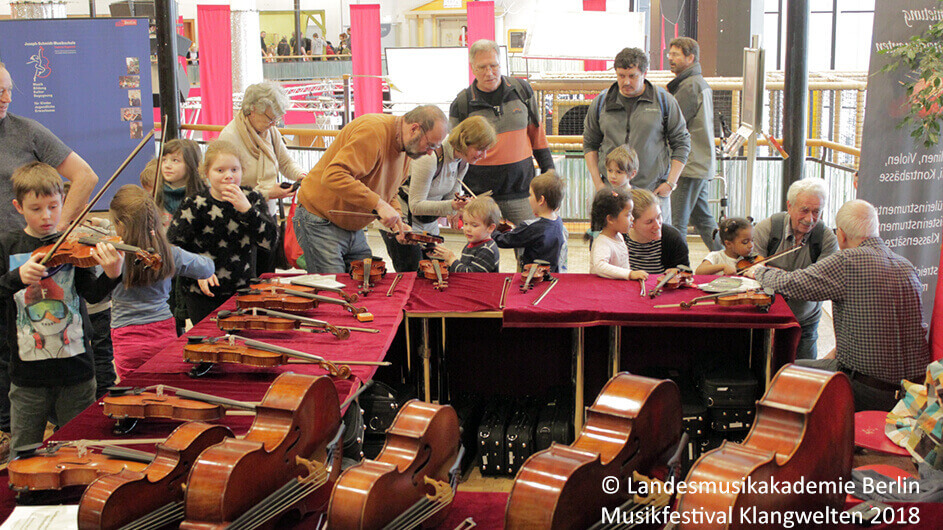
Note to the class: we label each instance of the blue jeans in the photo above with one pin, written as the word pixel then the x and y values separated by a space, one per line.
pixel 810 335
pixel 328 249
pixel 689 203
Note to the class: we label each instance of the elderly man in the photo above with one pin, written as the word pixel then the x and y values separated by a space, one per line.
pixel 23 140
pixel 879 330
pixel 804 202
pixel 511 107
pixel 647 118
pixel 361 172
pixel 689 201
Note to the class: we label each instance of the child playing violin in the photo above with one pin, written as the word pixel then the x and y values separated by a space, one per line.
pixel 47 342
pixel 481 254
pixel 611 215
pixel 736 234
pixel 141 320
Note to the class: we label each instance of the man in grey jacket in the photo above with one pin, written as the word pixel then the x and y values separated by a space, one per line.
pixel 696 101
pixel 647 118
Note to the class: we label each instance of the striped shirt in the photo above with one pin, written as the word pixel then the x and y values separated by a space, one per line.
pixel 645 256
pixel 879 328
pixel 482 256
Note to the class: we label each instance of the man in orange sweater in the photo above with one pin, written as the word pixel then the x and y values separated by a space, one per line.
pixel 361 172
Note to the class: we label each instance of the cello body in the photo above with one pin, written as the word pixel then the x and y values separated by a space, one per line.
pixel 804 429
pixel 113 501
pixel 298 417
pixel 632 422
pixel 423 442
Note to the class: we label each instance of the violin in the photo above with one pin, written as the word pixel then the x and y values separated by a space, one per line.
pixel 804 428
pixel 253 353
pixel 413 479
pixel 296 428
pixel 153 497
pixel 376 271
pixel 535 272
pixel 746 263
pixel 761 299
pixel 673 279
pixel 279 297
pixel 631 424
pixel 257 283
pixel 435 270
pixel 427 240
pixel 78 252
pixel 274 320
pixel 56 467
pixel 128 405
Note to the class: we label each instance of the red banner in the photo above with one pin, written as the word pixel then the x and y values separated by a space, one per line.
pixel 594 5
pixel 365 52
pixel 213 26
pixel 480 25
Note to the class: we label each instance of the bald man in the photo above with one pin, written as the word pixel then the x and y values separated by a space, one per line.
pixel 879 330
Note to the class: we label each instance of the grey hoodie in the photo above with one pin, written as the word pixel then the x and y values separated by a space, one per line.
pixel 649 132
pixel 696 100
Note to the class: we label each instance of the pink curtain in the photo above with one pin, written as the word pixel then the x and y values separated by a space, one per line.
pixel 365 51
pixel 594 5
pixel 215 65
pixel 480 25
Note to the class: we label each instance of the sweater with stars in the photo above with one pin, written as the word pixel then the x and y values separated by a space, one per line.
pixel 215 229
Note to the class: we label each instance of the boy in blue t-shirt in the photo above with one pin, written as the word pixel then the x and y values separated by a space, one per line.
pixel 545 237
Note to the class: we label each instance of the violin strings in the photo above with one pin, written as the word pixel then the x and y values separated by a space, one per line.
pixel 277 502
pixel 265 516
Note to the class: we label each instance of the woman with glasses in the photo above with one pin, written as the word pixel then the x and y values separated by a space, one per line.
pixel 261 146
pixel 434 180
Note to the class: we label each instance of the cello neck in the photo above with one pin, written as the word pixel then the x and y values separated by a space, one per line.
pixel 124 453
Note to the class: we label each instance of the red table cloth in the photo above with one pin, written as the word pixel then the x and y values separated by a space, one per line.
pixel 467 292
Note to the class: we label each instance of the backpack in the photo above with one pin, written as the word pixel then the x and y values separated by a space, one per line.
pixel 778 221
pixel 523 92
pixel 659 95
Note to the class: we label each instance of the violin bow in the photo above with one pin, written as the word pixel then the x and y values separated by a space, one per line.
pixel 88 207
pixel 552 283
pixel 664 279
pixel 774 256
pixel 300 354
pixel 504 292
pixel 160 158
pixel 690 303
pixel 305 320
pixel 393 285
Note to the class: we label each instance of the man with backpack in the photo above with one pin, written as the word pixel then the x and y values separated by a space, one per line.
pixel 633 111
pixel 510 105
pixel 799 224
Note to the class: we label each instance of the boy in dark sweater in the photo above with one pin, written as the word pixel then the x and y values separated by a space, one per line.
pixel 545 237
pixel 479 219
pixel 46 340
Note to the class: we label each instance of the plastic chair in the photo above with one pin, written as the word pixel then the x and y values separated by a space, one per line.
pixel 869 433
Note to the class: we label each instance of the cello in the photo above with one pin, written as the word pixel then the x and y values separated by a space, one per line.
pixel 804 430
pixel 632 423
pixel 413 479
pixel 151 498
pixel 296 426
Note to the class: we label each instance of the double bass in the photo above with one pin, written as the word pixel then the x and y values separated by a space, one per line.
pixel 804 430
pixel 151 498
pixel 634 421
pixel 288 450
pixel 413 479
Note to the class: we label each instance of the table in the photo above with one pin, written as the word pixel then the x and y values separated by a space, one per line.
pixel 580 301
pixel 246 383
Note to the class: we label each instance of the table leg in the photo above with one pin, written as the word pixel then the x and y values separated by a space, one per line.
pixel 444 372
pixel 425 351
pixel 578 360
pixel 409 348
pixel 770 339
pixel 615 349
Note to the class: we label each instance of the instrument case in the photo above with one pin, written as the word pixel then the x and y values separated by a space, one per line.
pixel 694 417
pixel 555 421
pixel 519 436
pixel 729 390
pixel 723 420
pixel 491 437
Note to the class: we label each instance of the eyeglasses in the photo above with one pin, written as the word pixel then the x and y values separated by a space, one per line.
pixel 56 308
pixel 272 120
pixel 431 145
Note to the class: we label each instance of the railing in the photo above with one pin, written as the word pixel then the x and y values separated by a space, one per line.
pixel 767 176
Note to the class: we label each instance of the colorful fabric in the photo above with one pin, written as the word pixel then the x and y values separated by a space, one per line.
pixel 916 422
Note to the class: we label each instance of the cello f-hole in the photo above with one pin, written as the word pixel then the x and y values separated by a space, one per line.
pixel 425 457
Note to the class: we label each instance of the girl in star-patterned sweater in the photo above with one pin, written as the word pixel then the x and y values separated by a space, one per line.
pixel 224 223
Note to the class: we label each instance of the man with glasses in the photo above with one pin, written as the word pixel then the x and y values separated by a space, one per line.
pixel 511 107
pixel 361 172
pixel 800 224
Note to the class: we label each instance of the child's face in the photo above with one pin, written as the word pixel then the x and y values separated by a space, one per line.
pixel 42 213
pixel 475 229
pixel 742 244
pixel 224 170
pixel 617 177
pixel 623 221
pixel 174 169
pixel 536 203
